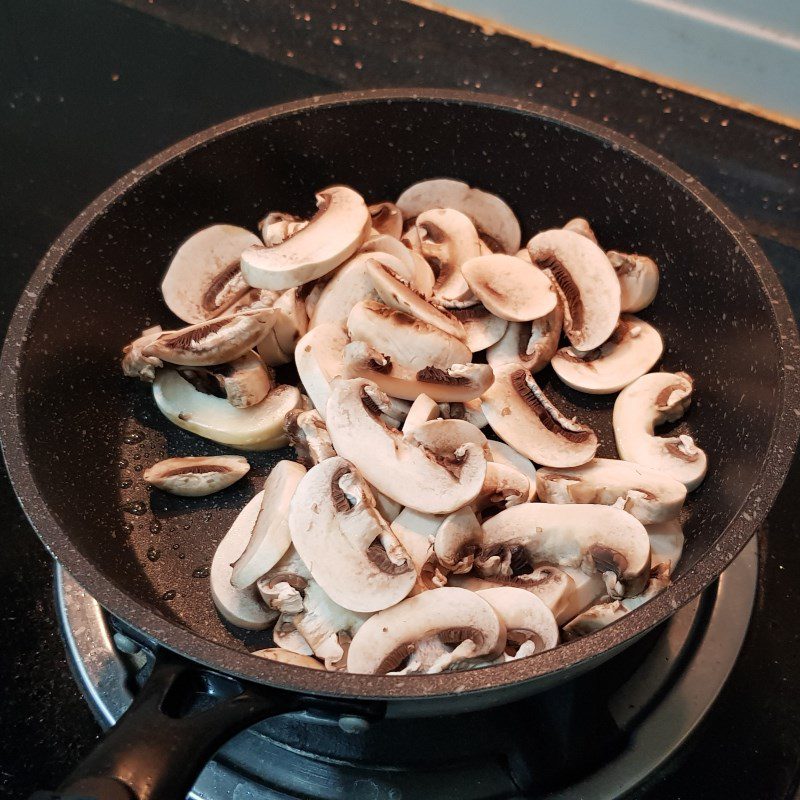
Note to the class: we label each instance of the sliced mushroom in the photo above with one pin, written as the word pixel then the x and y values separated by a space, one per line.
pixel 471 411
pixel 587 283
pixel 309 437
pixel 447 435
pixel 137 365
pixel 666 543
pixel 434 482
pixel 282 587
pixel 527 620
pixel 600 539
pixel 259 427
pixel 203 279
pixel 585 590
pixel 581 226
pixel 280 230
pixel 416 531
pixel 491 215
pixel 410 266
pixel 287 657
pixel 240 607
pixel 504 454
pixel 216 342
pixel 340 225
pixel 447 240
pixel 520 414
pixel 244 382
pixel 503 487
pixel 196 476
pixel 270 537
pixel 510 288
pixel 529 344
pixel 423 409
pixel 386 219
pixel 457 383
pixel 275 217
pixel 632 351
pixel 457 539
pixel 454 616
pixel 483 329
pixel 638 279
pixel 291 322
pixel 399 294
pixel 648 494
pixel 318 359
pixel 649 401
pixel 406 340
pixel 288 638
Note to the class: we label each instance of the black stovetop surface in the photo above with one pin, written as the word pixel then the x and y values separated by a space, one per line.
pixel 90 89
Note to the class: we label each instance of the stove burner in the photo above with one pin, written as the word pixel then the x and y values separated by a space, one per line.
pixel 598 736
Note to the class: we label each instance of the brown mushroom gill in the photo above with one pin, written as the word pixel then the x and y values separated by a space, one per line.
pixel 567 287
pixel 674 448
pixel 224 290
pixel 436 375
pixel 397 658
pixel 606 559
pixel 545 417
pixel 198 470
pixel 204 380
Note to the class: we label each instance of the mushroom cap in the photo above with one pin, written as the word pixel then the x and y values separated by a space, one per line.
pixel 259 427
pixel 510 288
pixel 490 214
pixel 633 350
pixel 521 415
pixel 596 538
pixel 287 657
pixel 638 279
pixel 651 400
pixel 386 219
pixel 587 282
pixel 526 616
pixel 436 483
pixel 400 295
pixel 482 328
pixel 531 344
pixel 318 359
pixel 505 454
pixel 196 476
pixel 408 341
pixel 270 538
pixel 649 494
pixel 340 225
pixel 581 226
pixel 241 607
pixel 203 279
pixel 455 616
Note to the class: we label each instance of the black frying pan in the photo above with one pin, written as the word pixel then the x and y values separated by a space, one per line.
pixel 74 431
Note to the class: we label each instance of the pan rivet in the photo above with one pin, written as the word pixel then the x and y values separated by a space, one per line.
pixel 352 724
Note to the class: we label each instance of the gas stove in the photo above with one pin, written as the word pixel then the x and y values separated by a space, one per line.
pixel 597 737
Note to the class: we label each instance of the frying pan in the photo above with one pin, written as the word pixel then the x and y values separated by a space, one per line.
pixel 75 433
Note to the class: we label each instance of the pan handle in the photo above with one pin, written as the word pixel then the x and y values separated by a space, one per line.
pixel 180 717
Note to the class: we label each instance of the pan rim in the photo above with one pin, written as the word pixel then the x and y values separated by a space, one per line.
pixel 173 636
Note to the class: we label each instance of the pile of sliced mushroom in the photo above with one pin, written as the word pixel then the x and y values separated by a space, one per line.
pixel 402 540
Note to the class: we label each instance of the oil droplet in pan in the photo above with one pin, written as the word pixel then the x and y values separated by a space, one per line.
pixel 201 572
pixel 169 595
pixel 153 554
pixel 135 507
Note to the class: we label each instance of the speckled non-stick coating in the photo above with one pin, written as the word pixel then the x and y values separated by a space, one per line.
pixel 70 420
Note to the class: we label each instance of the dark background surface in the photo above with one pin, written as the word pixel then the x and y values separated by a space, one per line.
pixel 89 89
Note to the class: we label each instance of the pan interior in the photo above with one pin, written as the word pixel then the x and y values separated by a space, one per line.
pixel 89 432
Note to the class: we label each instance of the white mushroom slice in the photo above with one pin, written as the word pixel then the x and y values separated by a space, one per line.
pixel 410 238
pixel 241 607
pixel 270 537
pixel 447 435
pixel 529 344
pixel 652 400
pixel 406 340
pixel 387 219
pixel 282 586
pixel 581 226
pixel 399 294
pixel 504 454
pixel 318 359
pixel 340 225
pixel 348 548
pixel 457 383
pixel 290 323
pixel 348 286
pixel 526 617
pixel 244 382
pixel 382 245
pixel 510 288
pixel 632 351
pixel 666 543
pixel 216 342
pixel 280 230
pixel 455 616
pixel 638 279
pixel 137 365
pixel 520 414
pixel 457 540
pixel 483 329
pixel 423 409
pixel 503 487
pixel 471 411
pixel 416 531
pixel 196 476
pixel 587 282
pixel 434 482
pixel 648 494
pixel 596 538
pixel 203 279
pixel 490 214
pixel 288 638
pixel 598 616
pixel 287 657
pixel 447 240
pixel 586 590
pixel 275 217
pixel 258 427
pixel 309 437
